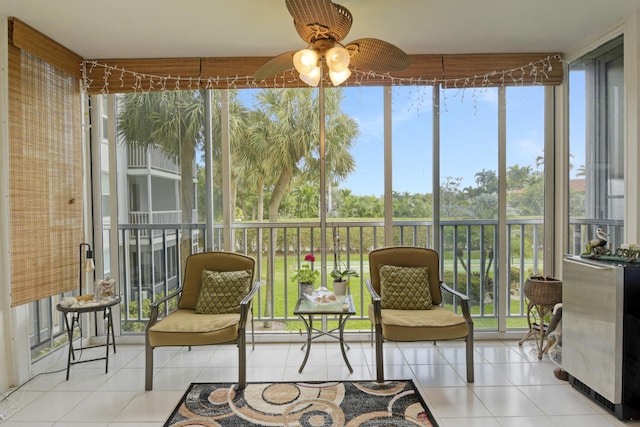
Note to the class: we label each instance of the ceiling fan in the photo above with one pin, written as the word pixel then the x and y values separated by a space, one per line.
pixel 323 25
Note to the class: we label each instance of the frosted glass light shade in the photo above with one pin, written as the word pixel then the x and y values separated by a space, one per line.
pixel 305 60
pixel 338 59
pixel 338 78
pixel 312 78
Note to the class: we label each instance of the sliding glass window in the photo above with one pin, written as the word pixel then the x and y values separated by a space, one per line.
pixel 596 184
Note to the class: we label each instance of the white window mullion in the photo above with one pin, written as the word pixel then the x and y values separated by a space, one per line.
pixel 208 164
pixel 555 212
pixel 503 237
pixel 435 103
pixel 388 169
pixel 227 209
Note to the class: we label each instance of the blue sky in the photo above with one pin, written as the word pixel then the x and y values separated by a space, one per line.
pixel 468 132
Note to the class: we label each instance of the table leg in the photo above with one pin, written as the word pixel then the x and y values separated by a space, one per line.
pixel 528 334
pixel 542 312
pixel 309 326
pixel 70 338
pixel 342 322
pixel 107 316
pixel 76 321
pixel 113 334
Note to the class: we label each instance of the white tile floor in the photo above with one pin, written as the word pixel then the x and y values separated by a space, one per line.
pixel 512 387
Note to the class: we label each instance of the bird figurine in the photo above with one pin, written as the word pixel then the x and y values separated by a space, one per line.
pixel 599 242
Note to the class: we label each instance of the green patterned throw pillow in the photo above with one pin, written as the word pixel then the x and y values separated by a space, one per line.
pixel 405 288
pixel 222 291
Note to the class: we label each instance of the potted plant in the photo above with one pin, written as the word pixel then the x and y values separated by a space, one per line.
pixel 341 280
pixel 306 276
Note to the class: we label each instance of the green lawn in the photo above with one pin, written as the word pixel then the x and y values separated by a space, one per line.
pixel 284 309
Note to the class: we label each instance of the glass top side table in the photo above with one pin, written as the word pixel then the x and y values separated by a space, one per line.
pixel 306 309
pixel 104 306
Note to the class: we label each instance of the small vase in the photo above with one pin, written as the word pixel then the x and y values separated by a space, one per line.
pixel 305 289
pixel 339 288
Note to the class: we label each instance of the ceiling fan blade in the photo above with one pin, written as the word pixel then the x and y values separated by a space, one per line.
pixel 377 55
pixel 319 19
pixel 274 66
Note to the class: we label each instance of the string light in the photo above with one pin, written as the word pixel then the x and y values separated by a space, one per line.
pixel 537 72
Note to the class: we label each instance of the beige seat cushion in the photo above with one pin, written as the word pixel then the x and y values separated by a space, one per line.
pixel 421 325
pixel 186 327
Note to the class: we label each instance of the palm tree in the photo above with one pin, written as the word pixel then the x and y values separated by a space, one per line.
pixel 240 179
pixel 285 144
pixel 243 172
pixel 255 156
pixel 172 120
pixel 271 145
pixel 518 176
pixel 290 131
pixel 487 181
pixel 290 128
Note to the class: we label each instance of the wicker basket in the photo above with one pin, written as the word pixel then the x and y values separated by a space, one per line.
pixel 543 290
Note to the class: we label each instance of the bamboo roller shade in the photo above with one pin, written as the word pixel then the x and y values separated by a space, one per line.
pixel 469 66
pixel 45 178
pixel 159 74
pixel 31 40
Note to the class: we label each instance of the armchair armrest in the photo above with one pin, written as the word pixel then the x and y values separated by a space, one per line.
pixel 153 317
pixel 452 291
pixel 245 304
pixel 375 300
pixel 464 302
pixel 374 295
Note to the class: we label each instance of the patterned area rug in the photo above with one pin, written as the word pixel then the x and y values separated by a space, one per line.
pixel 394 403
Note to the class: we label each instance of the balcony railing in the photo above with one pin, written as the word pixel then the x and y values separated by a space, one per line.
pixel 157 217
pixel 151 157
pixel 467 247
pixel 151 266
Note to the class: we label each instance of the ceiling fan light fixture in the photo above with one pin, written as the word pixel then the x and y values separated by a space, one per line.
pixel 312 78
pixel 337 78
pixel 305 60
pixel 323 25
pixel 338 59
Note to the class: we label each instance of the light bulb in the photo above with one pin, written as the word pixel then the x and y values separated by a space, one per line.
pixel 305 60
pixel 338 58
pixel 312 78
pixel 89 266
pixel 338 78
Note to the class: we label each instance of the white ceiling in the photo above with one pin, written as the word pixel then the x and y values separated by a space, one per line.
pixel 204 28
